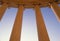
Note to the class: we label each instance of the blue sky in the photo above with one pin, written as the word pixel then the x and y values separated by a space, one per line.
pixel 29 27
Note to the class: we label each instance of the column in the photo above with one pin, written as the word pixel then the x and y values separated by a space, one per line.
pixel 2 10
pixel 16 32
pixel 42 32
pixel 56 9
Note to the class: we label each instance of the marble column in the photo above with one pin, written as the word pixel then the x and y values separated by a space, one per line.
pixel 42 32
pixel 56 9
pixel 2 10
pixel 16 32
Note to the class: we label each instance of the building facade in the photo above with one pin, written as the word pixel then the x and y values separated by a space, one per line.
pixel 36 5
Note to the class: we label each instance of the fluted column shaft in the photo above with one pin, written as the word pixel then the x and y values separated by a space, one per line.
pixel 42 32
pixel 2 10
pixel 16 32
pixel 56 9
